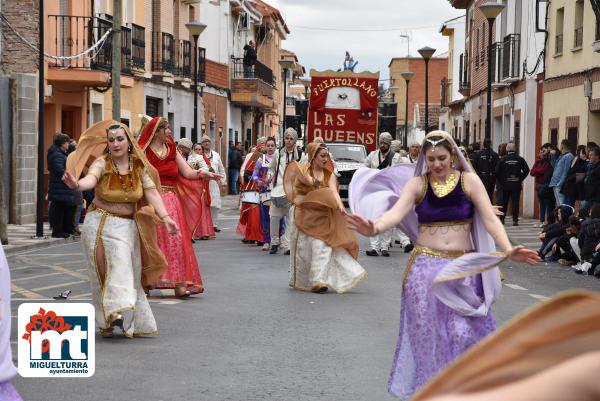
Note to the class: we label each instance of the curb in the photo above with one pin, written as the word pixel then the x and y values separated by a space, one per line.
pixel 10 250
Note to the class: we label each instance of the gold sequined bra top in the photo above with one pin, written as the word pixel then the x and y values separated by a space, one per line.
pixel 121 188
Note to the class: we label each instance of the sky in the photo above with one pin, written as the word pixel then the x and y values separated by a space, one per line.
pixel 322 30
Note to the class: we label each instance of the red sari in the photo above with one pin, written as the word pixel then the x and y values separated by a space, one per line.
pixel 205 227
pixel 182 263
pixel 249 225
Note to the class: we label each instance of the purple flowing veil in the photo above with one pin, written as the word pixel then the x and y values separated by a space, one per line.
pixel 7 368
pixel 373 192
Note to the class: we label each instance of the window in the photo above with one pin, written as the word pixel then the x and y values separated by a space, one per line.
pixel 560 19
pixel 171 119
pixel 517 135
pixel 503 21
pixel 153 106
pixel 181 132
pixel 554 136
pixel 578 35
pixel 518 13
pixel 572 136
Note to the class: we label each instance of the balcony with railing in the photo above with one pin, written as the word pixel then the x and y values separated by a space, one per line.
pixel 511 57
pixel 252 86
pixel 163 53
pixel 558 44
pixel 464 85
pixel 184 60
pixel 444 101
pixel 578 38
pixel 138 47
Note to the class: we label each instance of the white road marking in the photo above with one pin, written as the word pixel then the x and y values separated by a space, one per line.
pixel 516 287
pixel 537 296
pixel 165 301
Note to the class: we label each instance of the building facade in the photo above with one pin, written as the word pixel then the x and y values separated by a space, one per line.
pixel 572 76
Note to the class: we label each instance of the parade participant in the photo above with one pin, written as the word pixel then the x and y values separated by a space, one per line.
pixel 119 231
pixel 380 159
pixel 178 181
pixel 280 206
pixel 215 165
pixel 184 146
pixel 323 249
pixel 540 355
pixel 205 228
pixel 262 179
pixel 413 152
pixel 7 368
pixel 249 224
pixel 451 279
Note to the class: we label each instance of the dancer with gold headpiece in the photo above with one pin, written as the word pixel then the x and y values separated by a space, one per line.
pixel 119 234
pixel 452 277
pixel 249 225
pixel 323 249
pixel 178 181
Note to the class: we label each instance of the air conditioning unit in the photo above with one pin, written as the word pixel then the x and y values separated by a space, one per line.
pixel 244 22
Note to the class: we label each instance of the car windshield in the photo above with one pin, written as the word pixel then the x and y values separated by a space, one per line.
pixel 347 152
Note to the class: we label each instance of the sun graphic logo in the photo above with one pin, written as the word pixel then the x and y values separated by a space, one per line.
pixel 56 340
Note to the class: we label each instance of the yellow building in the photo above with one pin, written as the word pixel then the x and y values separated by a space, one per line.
pixel 572 78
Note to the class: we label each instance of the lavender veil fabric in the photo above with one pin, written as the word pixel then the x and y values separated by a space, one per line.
pixel 7 368
pixel 373 192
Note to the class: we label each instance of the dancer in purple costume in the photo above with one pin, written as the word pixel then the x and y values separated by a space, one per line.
pixel 452 278
pixel 7 368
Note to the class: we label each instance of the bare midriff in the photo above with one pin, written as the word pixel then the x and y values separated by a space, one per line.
pixel 123 209
pixel 450 237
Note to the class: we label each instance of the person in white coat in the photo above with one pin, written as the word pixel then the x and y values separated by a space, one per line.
pixel 215 165
pixel 401 158
pixel 280 206
pixel 380 159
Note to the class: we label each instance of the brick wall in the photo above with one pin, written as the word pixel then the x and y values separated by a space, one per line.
pixel 23 16
pixel 438 69
pixel 478 68
pixel 217 74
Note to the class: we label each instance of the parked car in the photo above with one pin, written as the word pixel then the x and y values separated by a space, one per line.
pixel 348 157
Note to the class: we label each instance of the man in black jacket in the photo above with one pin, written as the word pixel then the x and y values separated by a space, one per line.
pixel 249 59
pixel 235 164
pixel 484 163
pixel 591 191
pixel 62 198
pixel 511 171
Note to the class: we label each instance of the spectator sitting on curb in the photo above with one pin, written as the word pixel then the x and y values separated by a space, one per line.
pixel 566 249
pixel 552 232
pixel 589 241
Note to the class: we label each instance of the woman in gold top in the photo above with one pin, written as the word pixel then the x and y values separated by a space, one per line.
pixel 118 234
pixel 323 249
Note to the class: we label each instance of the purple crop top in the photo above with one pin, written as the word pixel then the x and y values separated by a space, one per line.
pixel 455 206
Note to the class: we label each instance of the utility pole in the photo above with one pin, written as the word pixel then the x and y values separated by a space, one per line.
pixel 116 61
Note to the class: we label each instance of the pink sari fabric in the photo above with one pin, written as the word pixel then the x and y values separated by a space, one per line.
pixel 183 266
pixel 205 227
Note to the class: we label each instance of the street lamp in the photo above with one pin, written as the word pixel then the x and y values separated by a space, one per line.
pixel 426 53
pixel 491 11
pixel 195 28
pixel 285 66
pixel 407 75
pixel 306 83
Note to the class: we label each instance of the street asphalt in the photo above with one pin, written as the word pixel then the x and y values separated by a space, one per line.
pixel 249 336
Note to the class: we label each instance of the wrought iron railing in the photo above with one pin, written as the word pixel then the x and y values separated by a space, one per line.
pixel 201 64
pixel 258 71
pixel 71 35
pixel 511 56
pixel 497 48
pixel 163 52
pixel 463 73
pixel 138 47
pixel 558 48
pixel 184 59
pixel 578 37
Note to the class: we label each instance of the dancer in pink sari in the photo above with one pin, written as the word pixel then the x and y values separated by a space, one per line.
pixel 178 181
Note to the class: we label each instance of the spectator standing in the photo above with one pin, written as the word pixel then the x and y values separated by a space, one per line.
pixel 573 186
pixel 591 182
pixel 235 164
pixel 561 170
pixel 501 154
pixel 63 200
pixel 542 171
pixel 249 59
pixel 484 163
pixel 511 171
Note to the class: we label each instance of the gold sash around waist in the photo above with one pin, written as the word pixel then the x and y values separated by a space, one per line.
pixel 438 253
pixel 168 188
pixel 104 212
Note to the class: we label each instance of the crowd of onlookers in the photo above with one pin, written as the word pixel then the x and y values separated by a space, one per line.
pixel 567 184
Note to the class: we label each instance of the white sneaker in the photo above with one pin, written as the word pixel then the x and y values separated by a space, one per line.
pixel 585 266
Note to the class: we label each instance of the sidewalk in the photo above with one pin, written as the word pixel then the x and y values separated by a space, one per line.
pixel 22 237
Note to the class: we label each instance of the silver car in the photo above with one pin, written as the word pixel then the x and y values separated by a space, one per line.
pixel 348 157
